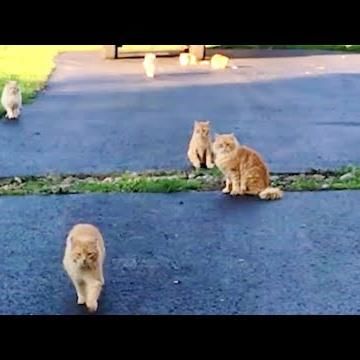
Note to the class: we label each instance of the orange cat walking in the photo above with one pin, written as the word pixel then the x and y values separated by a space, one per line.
pixel 199 152
pixel 245 171
pixel 83 262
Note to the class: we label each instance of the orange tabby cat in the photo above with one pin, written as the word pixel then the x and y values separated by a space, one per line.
pixel 83 262
pixel 244 169
pixel 199 152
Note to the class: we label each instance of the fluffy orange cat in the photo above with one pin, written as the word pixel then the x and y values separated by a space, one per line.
pixel 83 261
pixel 245 171
pixel 199 152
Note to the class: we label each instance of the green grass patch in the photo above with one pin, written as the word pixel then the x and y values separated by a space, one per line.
pixel 306 184
pixel 345 178
pixel 211 172
pixel 123 183
pixel 136 185
pixel 31 65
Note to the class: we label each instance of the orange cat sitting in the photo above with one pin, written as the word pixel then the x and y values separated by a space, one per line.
pixel 199 152
pixel 245 171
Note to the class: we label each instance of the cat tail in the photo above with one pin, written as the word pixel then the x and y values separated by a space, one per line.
pixel 271 193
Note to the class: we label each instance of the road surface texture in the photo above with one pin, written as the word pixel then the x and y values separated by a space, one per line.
pixel 201 253
pixel 299 110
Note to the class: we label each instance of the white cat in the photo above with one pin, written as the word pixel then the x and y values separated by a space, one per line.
pixel 186 59
pixel 149 65
pixel 11 99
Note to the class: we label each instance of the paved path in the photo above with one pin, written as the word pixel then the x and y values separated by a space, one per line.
pixel 193 253
pixel 99 116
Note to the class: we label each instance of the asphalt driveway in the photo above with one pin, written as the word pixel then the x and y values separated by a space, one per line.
pixel 192 253
pixel 99 116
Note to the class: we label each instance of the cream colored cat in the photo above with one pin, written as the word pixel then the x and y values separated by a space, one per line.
pixel 199 151
pixel 149 65
pixel 11 99
pixel 83 261
pixel 245 171
pixel 219 62
pixel 186 59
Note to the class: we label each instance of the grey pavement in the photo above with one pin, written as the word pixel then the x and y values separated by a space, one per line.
pixel 191 253
pixel 299 110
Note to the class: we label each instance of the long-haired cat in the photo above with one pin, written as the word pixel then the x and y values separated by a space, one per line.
pixel 199 151
pixel 83 261
pixel 149 65
pixel 186 59
pixel 245 171
pixel 219 62
pixel 11 99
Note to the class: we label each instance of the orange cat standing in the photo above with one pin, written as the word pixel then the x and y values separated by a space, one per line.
pixel 245 171
pixel 199 151
pixel 83 261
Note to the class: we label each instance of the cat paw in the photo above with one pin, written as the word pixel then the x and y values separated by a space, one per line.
pixel 236 193
pixel 81 300
pixel 210 166
pixel 92 306
pixel 226 191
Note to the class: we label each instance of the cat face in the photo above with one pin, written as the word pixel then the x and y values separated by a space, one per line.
pixel 202 128
pixel 225 143
pixel 84 255
pixel 12 87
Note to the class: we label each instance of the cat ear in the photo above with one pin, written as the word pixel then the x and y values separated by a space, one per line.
pixel 207 122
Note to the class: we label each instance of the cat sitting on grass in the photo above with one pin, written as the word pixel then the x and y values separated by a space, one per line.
pixel 245 171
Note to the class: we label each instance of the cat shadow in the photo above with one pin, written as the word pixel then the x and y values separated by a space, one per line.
pixel 227 203
pixel 70 306
pixel 9 122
